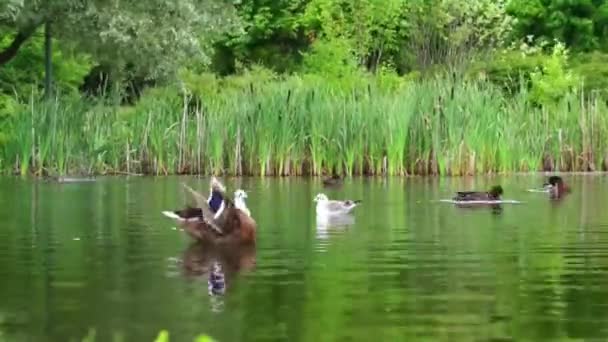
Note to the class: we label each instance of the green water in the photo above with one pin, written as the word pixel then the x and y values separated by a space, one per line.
pixel 75 257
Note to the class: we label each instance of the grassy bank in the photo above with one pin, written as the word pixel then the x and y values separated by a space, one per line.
pixel 309 125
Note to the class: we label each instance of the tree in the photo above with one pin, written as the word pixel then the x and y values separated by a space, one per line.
pixel 271 36
pixel 371 30
pixel 581 24
pixel 450 31
pixel 154 36
pixel 410 33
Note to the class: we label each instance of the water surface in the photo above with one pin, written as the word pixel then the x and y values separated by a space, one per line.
pixel 77 257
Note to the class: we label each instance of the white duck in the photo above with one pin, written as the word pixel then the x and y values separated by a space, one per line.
pixel 327 207
pixel 239 201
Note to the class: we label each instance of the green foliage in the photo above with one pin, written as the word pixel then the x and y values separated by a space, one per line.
pixel 154 36
pixel 548 76
pixel 372 29
pixel 592 68
pixel 9 10
pixel 398 33
pixel 263 118
pixel 581 24
pixel 24 74
pixel 507 69
pixel 553 80
pixel 163 336
pixel 265 124
pixel 271 36
pixel 452 31
pixel 332 57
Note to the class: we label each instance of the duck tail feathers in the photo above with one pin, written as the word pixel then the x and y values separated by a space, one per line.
pixel 173 215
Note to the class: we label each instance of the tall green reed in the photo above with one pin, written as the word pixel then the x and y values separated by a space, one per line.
pixel 308 125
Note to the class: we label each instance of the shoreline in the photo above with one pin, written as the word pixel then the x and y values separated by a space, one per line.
pixel 67 178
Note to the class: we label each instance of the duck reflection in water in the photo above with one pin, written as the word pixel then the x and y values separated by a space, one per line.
pixel 332 224
pixel 495 208
pixel 216 282
pixel 219 264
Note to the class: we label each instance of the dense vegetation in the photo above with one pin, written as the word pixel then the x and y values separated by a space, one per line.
pixel 289 87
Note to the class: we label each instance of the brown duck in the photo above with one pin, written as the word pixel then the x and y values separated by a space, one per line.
pixel 215 220
pixel 557 187
pixel 333 181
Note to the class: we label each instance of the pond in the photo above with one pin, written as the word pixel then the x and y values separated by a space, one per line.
pixel 100 256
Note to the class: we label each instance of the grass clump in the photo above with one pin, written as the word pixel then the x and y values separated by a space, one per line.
pixel 308 125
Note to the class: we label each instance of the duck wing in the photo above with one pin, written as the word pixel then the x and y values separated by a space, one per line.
pixel 470 195
pixel 200 199
pixel 201 203
pixel 340 206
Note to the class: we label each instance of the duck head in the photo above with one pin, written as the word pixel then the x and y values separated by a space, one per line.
pixel 553 181
pixel 216 185
pixel 240 194
pixel 239 201
pixel 321 198
pixel 496 191
pixel 556 186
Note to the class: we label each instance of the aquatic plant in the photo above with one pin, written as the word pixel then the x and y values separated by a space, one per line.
pixel 301 125
pixel 163 336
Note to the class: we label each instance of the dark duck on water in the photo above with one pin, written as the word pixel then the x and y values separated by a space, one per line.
pixel 334 181
pixel 216 219
pixel 556 187
pixel 494 194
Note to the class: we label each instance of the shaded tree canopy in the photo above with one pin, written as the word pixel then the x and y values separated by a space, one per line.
pixel 154 35
pixel 581 24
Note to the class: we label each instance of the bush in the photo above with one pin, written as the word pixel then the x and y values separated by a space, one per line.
pixel 25 72
pixel 553 80
pixel 593 71
pixel 508 68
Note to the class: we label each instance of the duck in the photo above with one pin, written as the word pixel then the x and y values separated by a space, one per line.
pixel 239 201
pixel 556 187
pixel 327 207
pixel 215 219
pixel 494 194
pixel 62 179
pixel 334 180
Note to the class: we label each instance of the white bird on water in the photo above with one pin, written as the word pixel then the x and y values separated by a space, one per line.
pixel 239 201
pixel 327 207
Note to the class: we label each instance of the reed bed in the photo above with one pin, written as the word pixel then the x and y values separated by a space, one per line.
pixel 309 126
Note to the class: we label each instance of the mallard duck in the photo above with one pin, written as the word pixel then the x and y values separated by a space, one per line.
pixel 492 195
pixel 556 187
pixel 227 224
pixel 239 201
pixel 327 207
